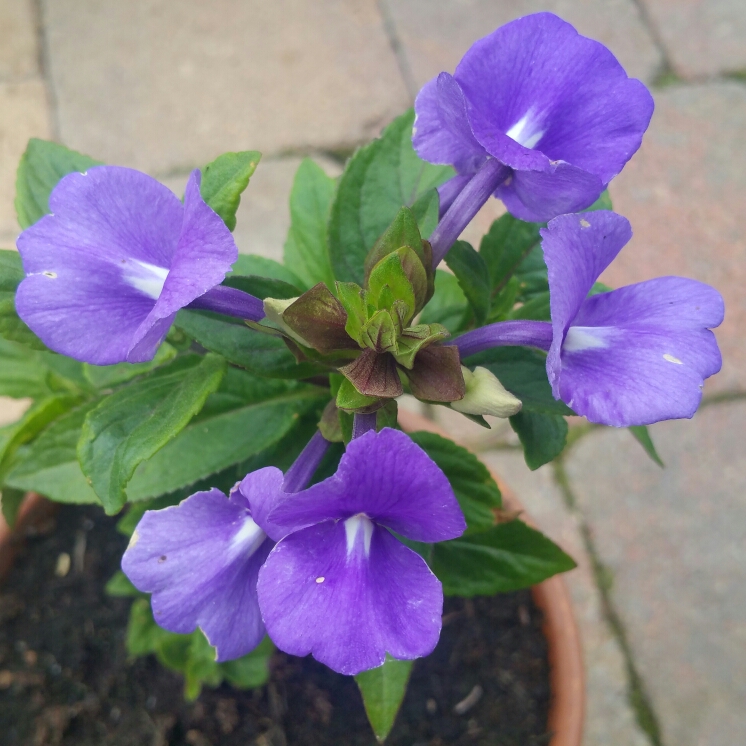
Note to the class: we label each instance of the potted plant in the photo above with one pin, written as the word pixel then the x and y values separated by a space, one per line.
pixel 244 411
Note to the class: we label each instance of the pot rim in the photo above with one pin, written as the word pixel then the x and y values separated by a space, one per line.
pixel 566 668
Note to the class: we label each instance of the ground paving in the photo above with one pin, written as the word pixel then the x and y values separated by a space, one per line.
pixel 165 86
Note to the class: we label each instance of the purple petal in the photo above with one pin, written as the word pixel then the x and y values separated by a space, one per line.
pixel 577 249
pixel 204 254
pixel 200 560
pixel 88 262
pixel 640 354
pixel 388 478
pixel 550 89
pixel 348 593
pixel 441 132
pixel 262 491
pixel 538 196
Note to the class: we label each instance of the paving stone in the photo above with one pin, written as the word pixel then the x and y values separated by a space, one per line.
pixel 263 216
pixel 701 38
pixel 19 52
pixel 606 679
pixel 164 85
pixel 675 541
pixel 436 33
pixel 23 114
pixel 684 192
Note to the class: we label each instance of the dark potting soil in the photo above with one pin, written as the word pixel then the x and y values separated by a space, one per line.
pixel 66 679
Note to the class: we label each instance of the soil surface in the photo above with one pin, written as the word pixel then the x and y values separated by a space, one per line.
pixel 65 678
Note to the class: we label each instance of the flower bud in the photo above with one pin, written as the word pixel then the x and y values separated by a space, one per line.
pixel 485 395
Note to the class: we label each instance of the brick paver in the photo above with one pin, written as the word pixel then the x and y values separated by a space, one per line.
pixel 436 33
pixel 675 541
pixel 170 85
pixel 702 37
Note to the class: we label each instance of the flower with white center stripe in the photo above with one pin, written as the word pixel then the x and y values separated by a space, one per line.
pixel 339 584
pixel 117 258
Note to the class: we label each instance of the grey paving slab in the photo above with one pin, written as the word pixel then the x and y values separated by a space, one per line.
pixel 702 37
pixel 19 51
pixel 608 709
pixel 685 192
pixel 675 541
pixel 436 33
pixel 169 85
pixel 23 114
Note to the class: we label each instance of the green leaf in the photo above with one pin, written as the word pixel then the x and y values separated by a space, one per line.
pixel 106 376
pixel 42 166
pixel 143 634
pixel 251 670
pixel 379 179
pixel 504 558
pixel 642 436
pixel 261 354
pixel 523 372
pixel 135 422
pixel 263 287
pixel 473 277
pixel 34 420
pixel 11 326
pixel 602 203
pixel 350 399
pixel 224 180
pixel 448 306
pixel 504 247
pixel 233 426
pixel 306 248
pixel 532 275
pixel 543 436
pixel 261 266
pixel 10 503
pixel 536 309
pixel 475 489
pixel 119 585
pixel 50 464
pixel 383 690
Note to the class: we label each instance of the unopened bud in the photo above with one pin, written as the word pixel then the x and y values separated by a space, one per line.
pixel 485 395
pixel 273 310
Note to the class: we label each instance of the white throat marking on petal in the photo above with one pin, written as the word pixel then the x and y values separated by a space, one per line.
pixel 525 132
pixel 247 539
pixel 580 338
pixel 147 278
pixel 353 526
pixel 672 359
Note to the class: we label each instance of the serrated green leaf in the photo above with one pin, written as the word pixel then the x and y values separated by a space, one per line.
pixel 261 354
pixel 536 309
pixel 602 203
pixel 383 690
pixel 543 436
pixel 224 180
pixel 642 436
pixel 261 266
pixel 475 489
pixel 106 376
pixel 532 275
pixel 523 372
pixel 306 247
pixel 230 429
pixel 143 634
pixel 505 246
pixel 506 557
pixel 251 670
pixel 448 306
pixel 473 277
pixel 263 287
pixel 134 423
pixel 11 326
pixel 50 465
pixel 379 179
pixel 42 165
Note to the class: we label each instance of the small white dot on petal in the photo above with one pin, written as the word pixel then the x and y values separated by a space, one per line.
pixel 321 579
pixel 672 359
pixel 585 224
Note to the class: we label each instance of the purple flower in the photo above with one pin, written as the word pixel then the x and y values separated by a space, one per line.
pixel 116 259
pixel 339 584
pixel 200 560
pixel 555 110
pixel 631 356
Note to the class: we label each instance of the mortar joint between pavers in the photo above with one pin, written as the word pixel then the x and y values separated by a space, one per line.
pixel 392 34
pixel 44 62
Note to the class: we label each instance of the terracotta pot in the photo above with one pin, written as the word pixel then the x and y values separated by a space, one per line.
pixel 567 673
pixel 567 676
